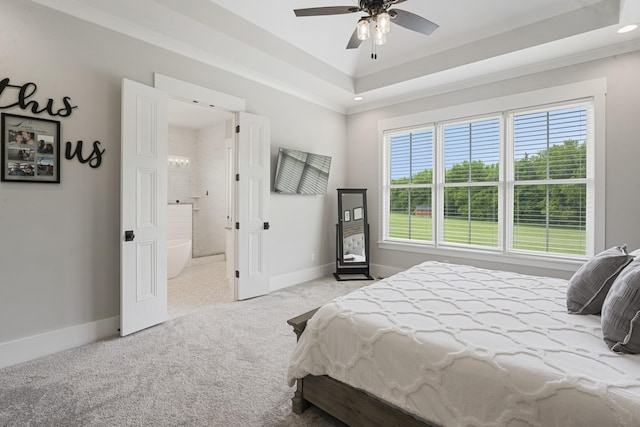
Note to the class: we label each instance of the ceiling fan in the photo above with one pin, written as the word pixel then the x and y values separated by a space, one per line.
pixel 378 12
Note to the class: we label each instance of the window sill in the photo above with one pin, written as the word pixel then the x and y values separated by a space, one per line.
pixel 549 262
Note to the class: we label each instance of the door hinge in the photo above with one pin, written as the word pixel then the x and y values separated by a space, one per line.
pixel 237 274
pixel 237 226
pixel 237 177
pixel 238 129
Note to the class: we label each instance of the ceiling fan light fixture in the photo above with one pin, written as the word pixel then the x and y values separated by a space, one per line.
pixel 383 21
pixel 378 12
pixel 363 29
pixel 379 38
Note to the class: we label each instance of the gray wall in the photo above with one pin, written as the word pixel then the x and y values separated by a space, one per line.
pixel 622 150
pixel 59 256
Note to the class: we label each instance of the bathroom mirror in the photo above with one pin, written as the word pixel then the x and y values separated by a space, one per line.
pixel 352 235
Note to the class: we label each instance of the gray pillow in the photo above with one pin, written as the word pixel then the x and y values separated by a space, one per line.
pixel 589 285
pixel 621 311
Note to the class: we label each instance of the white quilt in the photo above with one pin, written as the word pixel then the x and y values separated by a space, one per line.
pixel 462 346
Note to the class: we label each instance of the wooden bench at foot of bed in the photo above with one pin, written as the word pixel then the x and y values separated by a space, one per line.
pixel 350 405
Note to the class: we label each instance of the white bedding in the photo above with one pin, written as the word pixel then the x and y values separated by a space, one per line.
pixel 462 346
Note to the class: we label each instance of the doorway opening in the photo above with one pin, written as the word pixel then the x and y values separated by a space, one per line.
pixel 144 199
pixel 200 206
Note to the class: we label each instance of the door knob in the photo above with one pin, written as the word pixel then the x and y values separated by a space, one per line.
pixel 129 236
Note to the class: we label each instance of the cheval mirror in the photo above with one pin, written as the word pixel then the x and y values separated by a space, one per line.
pixel 352 235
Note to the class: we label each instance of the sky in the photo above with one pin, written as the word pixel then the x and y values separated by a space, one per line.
pixel 533 132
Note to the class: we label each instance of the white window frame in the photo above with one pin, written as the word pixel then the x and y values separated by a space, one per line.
pixel 593 89
pixel 511 182
pixel 387 189
pixel 441 184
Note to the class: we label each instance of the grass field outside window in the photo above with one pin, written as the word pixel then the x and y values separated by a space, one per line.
pixel 560 240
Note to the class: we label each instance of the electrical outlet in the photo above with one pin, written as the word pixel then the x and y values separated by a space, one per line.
pixel 313 256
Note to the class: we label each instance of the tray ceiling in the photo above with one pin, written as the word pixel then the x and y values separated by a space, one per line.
pixel 477 42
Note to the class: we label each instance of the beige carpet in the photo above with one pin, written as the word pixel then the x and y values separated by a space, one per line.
pixel 199 285
pixel 221 365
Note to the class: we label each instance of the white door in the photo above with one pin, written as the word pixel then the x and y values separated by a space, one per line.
pixel 143 222
pixel 252 201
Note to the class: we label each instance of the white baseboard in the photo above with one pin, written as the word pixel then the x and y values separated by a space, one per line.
pixel 297 277
pixel 208 259
pixel 25 349
pixel 29 348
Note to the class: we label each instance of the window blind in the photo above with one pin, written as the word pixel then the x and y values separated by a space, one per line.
pixel 449 185
pixel 550 191
pixel 471 161
pixel 409 190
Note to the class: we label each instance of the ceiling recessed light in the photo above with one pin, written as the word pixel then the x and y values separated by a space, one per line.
pixel 358 98
pixel 627 28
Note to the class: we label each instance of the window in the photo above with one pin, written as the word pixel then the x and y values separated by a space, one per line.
pixel 410 186
pixel 470 196
pixel 515 182
pixel 550 179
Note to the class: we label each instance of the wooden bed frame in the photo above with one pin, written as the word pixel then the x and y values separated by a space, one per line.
pixel 348 404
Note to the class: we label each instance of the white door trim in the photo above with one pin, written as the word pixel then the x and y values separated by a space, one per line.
pixel 202 95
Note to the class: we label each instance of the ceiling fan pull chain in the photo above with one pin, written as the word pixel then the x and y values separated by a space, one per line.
pixel 374 51
pixel 372 48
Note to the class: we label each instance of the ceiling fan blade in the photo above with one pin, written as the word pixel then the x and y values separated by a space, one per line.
pixel 354 41
pixel 412 21
pixel 319 11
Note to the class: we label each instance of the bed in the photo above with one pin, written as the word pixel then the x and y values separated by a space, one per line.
pixel 454 345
